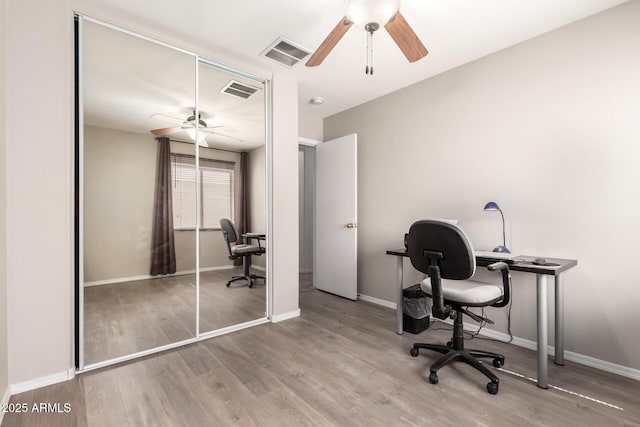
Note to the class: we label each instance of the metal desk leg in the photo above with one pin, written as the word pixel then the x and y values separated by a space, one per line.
pixel 399 295
pixel 559 354
pixel 541 284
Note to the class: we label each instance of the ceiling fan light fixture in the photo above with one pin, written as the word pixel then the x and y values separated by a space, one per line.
pixel 191 131
pixel 365 12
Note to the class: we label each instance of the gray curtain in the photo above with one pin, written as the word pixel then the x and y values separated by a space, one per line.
pixel 163 249
pixel 242 211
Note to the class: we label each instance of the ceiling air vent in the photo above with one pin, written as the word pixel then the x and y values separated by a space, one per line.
pixel 238 89
pixel 285 52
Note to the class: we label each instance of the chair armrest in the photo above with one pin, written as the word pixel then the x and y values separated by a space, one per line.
pixel 506 281
pixel 246 237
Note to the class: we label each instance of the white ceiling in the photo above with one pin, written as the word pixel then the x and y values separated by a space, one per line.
pixel 454 31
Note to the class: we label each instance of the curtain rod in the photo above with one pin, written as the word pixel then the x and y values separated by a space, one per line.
pixel 218 149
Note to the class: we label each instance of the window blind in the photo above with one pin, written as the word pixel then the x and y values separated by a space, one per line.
pixel 216 186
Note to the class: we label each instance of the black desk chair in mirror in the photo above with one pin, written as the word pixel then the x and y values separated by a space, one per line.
pixel 242 250
pixel 443 252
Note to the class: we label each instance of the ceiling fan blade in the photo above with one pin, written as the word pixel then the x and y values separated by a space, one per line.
pixel 221 134
pixel 165 131
pixel 329 43
pixel 405 38
pixel 167 118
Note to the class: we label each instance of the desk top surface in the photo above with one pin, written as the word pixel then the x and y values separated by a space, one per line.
pixel 524 263
pixel 255 235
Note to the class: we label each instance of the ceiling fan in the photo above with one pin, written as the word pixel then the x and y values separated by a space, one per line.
pixel 371 15
pixel 189 126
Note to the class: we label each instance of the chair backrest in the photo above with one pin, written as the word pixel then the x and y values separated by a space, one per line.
pixel 229 233
pixel 456 260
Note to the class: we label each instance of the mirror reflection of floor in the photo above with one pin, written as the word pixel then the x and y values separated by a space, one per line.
pixel 125 318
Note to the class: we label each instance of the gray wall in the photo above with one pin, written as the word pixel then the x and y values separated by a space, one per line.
pixel 117 223
pixel 549 130
pixel 310 126
pixel 4 380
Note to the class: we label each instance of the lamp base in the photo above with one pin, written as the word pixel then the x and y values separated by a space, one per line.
pixel 502 249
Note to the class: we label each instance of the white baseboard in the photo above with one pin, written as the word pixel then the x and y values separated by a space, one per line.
pixel 258 267
pixel 3 402
pixel 42 381
pixel 147 277
pixel 285 316
pixel 582 359
pixel 377 301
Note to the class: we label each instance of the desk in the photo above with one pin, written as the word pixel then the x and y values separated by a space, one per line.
pixel 524 264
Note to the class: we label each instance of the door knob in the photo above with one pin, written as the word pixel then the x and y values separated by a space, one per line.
pixel 351 225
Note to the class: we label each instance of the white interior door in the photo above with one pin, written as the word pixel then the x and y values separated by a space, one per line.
pixel 336 235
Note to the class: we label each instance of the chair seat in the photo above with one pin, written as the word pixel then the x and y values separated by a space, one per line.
pixel 466 292
pixel 243 249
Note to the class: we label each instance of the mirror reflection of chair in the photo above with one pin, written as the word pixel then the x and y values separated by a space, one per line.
pixel 443 252
pixel 242 250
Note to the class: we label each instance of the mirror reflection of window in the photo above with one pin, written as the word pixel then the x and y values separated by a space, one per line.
pixel 216 188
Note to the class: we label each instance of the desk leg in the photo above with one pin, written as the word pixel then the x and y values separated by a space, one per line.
pixel 541 284
pixel 559 354
pixel 399 295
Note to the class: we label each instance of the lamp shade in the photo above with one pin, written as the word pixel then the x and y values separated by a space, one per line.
pixel 363 12
pixel 491 206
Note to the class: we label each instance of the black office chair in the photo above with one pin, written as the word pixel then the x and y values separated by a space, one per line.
pixel 242 250
pixel 442 251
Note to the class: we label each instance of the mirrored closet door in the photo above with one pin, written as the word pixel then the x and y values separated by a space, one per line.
pixel 170 144
pixel 233 179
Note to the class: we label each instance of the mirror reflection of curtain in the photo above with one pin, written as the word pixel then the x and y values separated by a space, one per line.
pixel 163 250
pixel 242 213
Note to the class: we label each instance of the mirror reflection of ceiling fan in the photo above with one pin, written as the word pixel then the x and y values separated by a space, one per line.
pixel 371 15
pixel 188 125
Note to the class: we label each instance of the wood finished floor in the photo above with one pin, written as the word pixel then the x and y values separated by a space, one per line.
pixel 125 318
pixel 339 364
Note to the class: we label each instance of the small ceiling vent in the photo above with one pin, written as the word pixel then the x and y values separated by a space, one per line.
pixel 285 52
pixel 238 89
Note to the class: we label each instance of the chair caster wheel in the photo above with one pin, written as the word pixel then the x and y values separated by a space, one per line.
pixel 449 343
pixel 250 284
pixel 228 284
pixel 433 378
pixel 414 351
pixel 492 388
pixel 498 363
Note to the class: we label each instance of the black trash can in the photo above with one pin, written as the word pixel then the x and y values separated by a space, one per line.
pixel 415 315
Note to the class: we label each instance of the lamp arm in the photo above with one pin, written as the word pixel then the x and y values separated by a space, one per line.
pixel 504 236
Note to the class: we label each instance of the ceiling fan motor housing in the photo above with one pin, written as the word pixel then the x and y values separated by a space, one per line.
pixel 191 119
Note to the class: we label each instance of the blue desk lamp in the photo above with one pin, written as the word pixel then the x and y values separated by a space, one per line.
pixel 493 206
